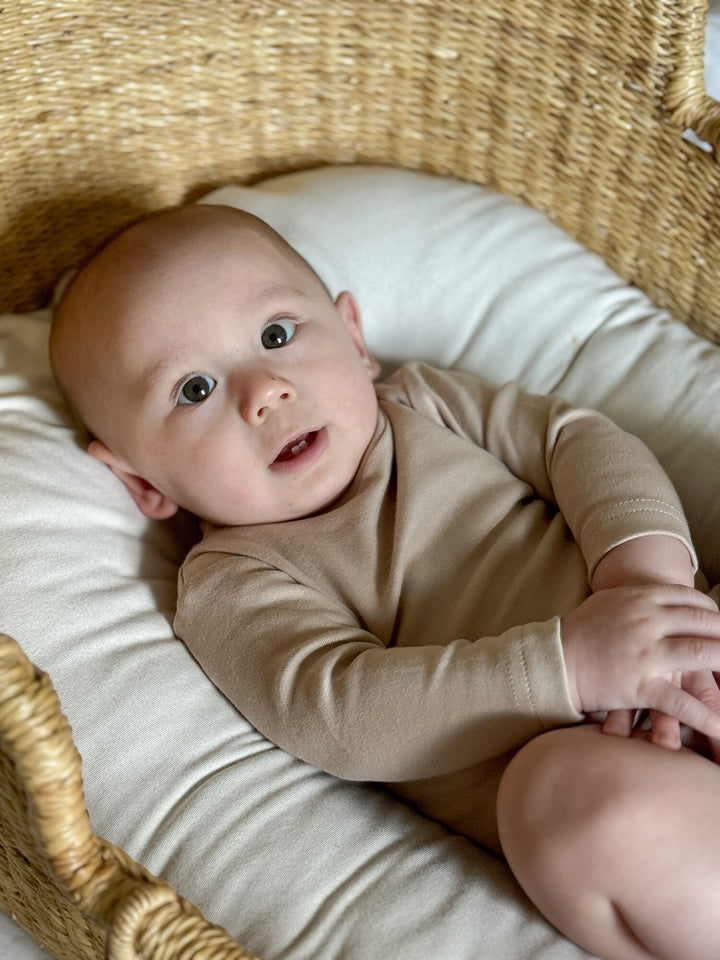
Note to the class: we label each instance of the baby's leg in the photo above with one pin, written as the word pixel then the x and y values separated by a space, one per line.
pixel 617 841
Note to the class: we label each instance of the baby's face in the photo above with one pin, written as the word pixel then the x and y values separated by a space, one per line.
pixel 230 382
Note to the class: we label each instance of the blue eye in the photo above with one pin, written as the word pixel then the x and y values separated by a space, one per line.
pixel 196 389
pixel 277 333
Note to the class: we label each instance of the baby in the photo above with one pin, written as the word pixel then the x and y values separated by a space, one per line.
pixel 427 582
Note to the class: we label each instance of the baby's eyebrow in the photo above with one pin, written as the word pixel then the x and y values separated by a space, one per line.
pixel 273 294
pixel 156 373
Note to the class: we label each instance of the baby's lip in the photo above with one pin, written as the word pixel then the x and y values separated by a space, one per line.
pixel 301 448
pixel 295 446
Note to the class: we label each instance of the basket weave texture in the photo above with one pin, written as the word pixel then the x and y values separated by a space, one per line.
pixel 111 108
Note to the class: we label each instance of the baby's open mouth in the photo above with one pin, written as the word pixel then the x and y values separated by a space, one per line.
pixel 296 446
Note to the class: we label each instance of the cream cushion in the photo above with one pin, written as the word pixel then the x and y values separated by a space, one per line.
pixel 293 862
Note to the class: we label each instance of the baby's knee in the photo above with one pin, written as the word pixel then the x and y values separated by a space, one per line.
pixel 564 800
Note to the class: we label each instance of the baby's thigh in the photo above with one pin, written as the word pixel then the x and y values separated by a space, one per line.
pixel 593 826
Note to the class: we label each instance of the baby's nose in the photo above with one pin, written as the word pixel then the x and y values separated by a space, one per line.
pixel 264 393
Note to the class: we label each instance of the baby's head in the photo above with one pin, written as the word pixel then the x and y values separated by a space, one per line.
pixel 214 371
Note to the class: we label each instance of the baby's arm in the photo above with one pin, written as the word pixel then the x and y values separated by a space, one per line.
pixel 317 681
pixel 620 505
pixel 654 558
pixel 311 676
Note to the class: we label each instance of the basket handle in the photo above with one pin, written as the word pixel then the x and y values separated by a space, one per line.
pixel 686 97
pixel 140 911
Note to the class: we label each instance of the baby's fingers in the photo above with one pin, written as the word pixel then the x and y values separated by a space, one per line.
pixel 695 627
pixel 676 702
pixel 704 687
pixel 618 723
pixel 665 730
pixel 694 650
pixel 678 595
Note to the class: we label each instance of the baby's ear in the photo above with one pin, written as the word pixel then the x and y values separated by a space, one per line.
pixel 347 307
pixel 149 499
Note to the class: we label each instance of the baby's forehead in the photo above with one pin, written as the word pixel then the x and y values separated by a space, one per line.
pixel 135 264
pixel 177 250
pixel 182 230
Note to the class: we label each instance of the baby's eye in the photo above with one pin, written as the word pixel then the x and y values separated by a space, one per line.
pixel 277 333
pixel 196 389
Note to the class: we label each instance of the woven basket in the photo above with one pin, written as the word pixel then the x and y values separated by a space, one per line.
pixel 109 109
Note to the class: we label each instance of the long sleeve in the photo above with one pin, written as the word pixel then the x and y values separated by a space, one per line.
pixel 608 485
pixel 303 670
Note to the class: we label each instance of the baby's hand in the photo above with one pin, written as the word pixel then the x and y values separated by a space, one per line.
pixel 624 647
pixel 656 558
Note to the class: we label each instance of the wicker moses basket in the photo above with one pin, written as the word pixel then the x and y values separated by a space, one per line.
pixel 113 108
